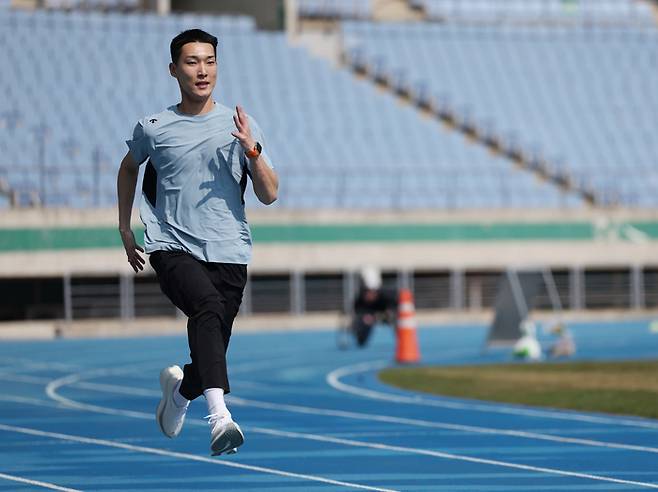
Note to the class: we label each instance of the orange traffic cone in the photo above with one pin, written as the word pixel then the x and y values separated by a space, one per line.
pixel 407 349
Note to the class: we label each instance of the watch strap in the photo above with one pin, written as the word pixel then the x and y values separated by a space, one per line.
pixel 255 152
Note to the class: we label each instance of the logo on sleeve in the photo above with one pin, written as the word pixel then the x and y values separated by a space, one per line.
pixel 153 120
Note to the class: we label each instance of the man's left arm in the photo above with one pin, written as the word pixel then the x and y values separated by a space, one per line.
pixel 266 182
pixel 264 178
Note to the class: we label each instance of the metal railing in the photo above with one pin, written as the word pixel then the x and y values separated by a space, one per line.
pixel 298 292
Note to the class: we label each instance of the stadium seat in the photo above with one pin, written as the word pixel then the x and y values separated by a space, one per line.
pixel 543 11
pixel 336 140
pixel 578 97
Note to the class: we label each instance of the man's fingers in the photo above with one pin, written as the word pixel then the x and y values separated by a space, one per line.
pixel 139 260
pixel 137 266
pixel 242 116
pixel 239 135
pixel 135 260
pixel 134 264
pixel 132 254
pixel 242 124
pixel 238 123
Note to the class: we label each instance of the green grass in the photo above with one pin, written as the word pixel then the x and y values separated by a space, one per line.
pixel 628 388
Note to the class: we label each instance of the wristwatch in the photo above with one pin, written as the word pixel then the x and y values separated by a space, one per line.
pixel 255 152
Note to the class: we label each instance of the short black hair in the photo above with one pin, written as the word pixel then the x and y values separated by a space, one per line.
pixel 190 36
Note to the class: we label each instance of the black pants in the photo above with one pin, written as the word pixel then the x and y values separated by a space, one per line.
pixel 210 295
pixel 361 330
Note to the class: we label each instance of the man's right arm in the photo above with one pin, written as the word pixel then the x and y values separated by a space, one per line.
pixel 126 184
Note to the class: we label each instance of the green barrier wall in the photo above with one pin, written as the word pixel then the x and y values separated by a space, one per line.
pixel 106 237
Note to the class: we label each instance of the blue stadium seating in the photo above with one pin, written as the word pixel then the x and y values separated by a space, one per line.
pixel 337 141
pixel 542 11
pixel 583 99
pixel 93 4
pixel 335 9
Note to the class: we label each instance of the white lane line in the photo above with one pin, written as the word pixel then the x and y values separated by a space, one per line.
pixel 185 456
pixel 51 391
pixel 41 365
pixel 22 378
pixel 37 483
pixel 450 456
pixel 30 401
pixel 108 388
pixel 364 444
pixel 335 413
pixel 53 386
pixel 74 380
pixel 334 380
pixel 439 425
pixel 113 388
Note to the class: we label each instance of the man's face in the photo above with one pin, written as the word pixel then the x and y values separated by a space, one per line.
pixel 196 70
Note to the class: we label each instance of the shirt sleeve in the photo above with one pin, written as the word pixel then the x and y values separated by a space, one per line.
pixel 257 133
pixel 139 144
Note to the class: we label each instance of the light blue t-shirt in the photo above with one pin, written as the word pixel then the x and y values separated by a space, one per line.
pixel 192 197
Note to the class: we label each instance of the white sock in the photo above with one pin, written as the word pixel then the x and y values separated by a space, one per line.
pixel 179 400
pixel 215 400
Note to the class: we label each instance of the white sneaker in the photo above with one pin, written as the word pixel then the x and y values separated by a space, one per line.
pixel 225 435
pixel 169 416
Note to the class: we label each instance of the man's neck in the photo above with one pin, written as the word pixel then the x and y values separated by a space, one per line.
pixel 196 107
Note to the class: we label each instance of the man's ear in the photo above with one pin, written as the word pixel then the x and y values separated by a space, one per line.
pixel 172 69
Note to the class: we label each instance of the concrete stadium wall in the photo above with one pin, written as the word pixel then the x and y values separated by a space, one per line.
pixel 268 15
pixel 42 243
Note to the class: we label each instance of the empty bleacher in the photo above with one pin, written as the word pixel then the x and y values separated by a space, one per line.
pixel 81 80
pixel 123 5
pixel 612 12
pixel 335 9
pixel 539 11
pixel 580 98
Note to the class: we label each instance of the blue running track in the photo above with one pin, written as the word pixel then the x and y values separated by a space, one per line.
pixel 79 415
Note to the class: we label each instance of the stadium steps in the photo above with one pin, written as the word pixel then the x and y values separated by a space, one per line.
pixel 518 156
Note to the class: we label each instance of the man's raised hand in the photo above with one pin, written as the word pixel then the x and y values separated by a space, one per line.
pixel 243 133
